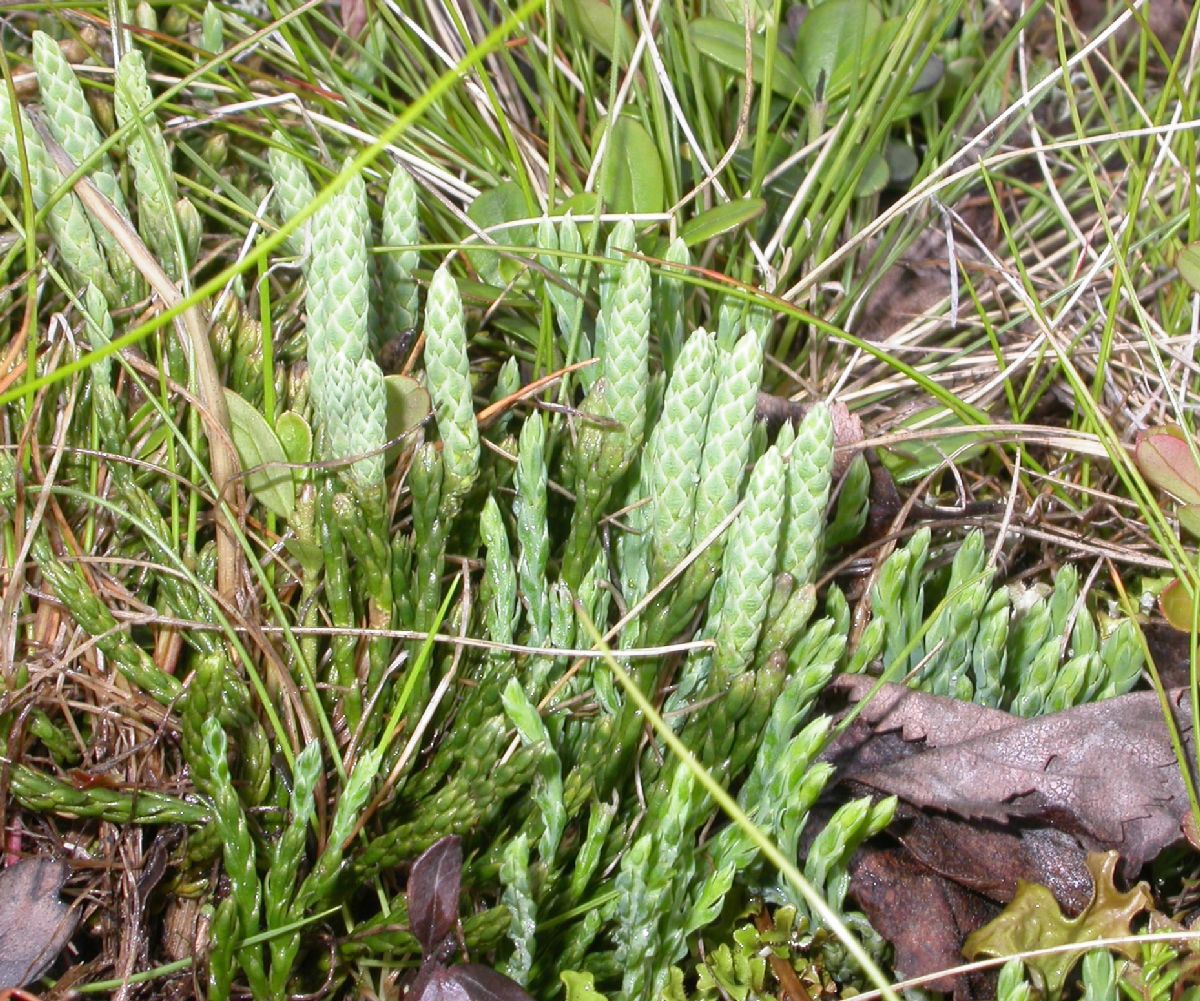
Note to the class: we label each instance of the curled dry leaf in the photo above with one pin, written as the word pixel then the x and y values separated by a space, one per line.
pixel 34 923
pixel 1105 772
pixel 991 802
pixel 1034 921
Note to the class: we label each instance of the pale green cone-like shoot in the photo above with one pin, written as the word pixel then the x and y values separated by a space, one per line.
pixel 147 150
pixel 621 238
pixel 669 292
pixel 1121 660
pixel 627 352
pixel 211 29
pixel 567 295
pixel 99 327
pixel 808 479
pixel 448 373
pixel 548 789
pixel 293 190
pixel 67 221
pixel 676 450
pixel 369 433
pixel 989 658
pixel 500 579
pixel 238 846
pixel 729 323
pixel 727 439
pixel 191 229
pixel 533 537
pixel 401 228
pixel 749 569
pixel 74 129
pixel 347 386
pixel 518 897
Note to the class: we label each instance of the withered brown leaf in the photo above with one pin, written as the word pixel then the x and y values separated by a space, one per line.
pixel 1105 773
pixel 34 923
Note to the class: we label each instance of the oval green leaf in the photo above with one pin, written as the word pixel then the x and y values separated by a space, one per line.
pixel 833 45
pixel 503 203
pixel 874 177
pixel 1189 265
pixel 1189 518
pixel 602 25
pixel 408 404
pixel 902 163
pixel 1165 459
pixel 295 436
pixel 725 43
pixel 630 178
pixel 722 219
pixel 268 477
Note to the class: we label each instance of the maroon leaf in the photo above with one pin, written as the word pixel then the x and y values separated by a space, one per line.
pixel 436 983
pixel 433 890
pixel 34 923
pixel 1165 459
pixel 924 916
pixel 993 861
pixel 482 983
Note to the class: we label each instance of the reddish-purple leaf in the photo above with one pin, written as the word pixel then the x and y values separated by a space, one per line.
pixel 1165 459
pixel 482 983
pixel 34 923
pixel 436 983
pixel 433 889
pixel 354 17
pixel 1175 600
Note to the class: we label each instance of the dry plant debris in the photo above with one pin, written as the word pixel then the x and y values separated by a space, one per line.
pixel 993 802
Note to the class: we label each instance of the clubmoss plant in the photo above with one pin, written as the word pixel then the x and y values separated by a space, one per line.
pixel 157 193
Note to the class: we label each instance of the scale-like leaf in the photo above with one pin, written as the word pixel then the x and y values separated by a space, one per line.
pixel 433 889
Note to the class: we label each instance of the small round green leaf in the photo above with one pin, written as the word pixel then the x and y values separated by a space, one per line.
pixel 295 436
pixel 874 177
pixel 1165 458
pixel 833 45
pixel 503 203
pixel 268 477
pixel 408 404
pixel 901 161
pixel 721 219
pixel 1175 601
pixel 1189 518
pixel 602 25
